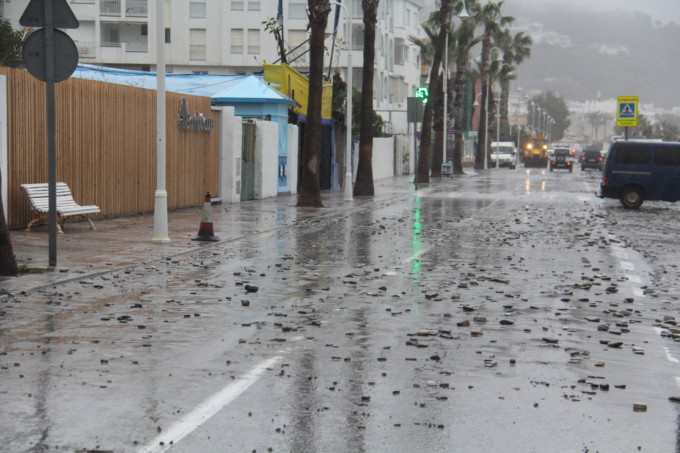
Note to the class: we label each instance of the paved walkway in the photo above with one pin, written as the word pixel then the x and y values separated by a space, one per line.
pixel 125 241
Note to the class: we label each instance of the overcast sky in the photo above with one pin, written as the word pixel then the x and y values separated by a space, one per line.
pixel 663 10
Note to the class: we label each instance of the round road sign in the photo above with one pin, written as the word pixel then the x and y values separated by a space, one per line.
pixel 65 55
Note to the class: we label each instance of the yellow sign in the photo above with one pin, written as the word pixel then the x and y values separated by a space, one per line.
pixel 296 86
pixel 627 111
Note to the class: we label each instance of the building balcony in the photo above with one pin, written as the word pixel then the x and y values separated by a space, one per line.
pixel 131 8
pixel 113 52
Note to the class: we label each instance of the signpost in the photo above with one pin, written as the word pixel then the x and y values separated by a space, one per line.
pixel 414 114
pixel 51 56
pixel 627 113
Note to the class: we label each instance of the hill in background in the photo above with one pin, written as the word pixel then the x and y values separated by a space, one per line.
pixel 584 55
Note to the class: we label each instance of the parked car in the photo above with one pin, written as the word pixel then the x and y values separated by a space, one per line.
pixel 638 171
pixel 592 158
pixel 561 159
pixel 504 153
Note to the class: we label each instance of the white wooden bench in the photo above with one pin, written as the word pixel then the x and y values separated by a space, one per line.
pixel 38 195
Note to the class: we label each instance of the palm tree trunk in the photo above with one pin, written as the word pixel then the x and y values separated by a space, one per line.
pixel 364 181
pixel 458 112
pixel 438 124
pixel 422 172
pixel 481 142
pixel 505 100
pixel 8 264
pixel 310 187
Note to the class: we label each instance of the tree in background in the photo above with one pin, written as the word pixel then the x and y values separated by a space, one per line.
pixel 556 107
pixel 516 48
pixel 364 181
pixel 463 39
pixel 490 18
pixel 11 45
pixel 310 187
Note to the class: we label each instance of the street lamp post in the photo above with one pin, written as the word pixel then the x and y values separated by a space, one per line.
pixel 348 108
pixel 160 213
pixel 498 132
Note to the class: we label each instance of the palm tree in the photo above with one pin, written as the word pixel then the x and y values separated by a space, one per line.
pixel 8 264
pixel 427 50
pixel 422 172
pixel 515 50
pixel 364 182
pixel 490 18
pixel 437 99
pixel 310 187
pixel 463 40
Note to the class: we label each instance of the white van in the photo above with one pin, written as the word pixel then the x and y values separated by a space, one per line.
pixel 504 154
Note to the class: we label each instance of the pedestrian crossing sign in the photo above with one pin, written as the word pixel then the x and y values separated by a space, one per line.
pixel 627 111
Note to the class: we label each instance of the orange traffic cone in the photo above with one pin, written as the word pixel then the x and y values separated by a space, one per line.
pixel 205 231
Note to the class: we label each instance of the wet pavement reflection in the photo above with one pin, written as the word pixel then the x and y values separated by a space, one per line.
pixel 456 318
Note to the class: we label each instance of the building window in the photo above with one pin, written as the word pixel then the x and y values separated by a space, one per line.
pixel 357 36
pixel 197 41
pixel 237 5
pixel 297 10
pixel 296 37
pixel 253 41
pixel 237 40
pixel 253 5
pixel 197 9
pixel 167 36
pixel 145 30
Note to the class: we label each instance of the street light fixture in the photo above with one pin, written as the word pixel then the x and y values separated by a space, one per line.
pixel 348 108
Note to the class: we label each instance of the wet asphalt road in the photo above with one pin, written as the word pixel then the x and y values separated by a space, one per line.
pixel 508 311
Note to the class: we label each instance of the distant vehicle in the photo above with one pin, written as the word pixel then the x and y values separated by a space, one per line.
pixel 536 152
pixel 561 159
pixel 592 158
pixel 504 153
pixel 638 171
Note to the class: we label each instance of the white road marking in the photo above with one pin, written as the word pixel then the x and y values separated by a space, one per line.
pixel 206 410
pixel 627 265
pixel 669 356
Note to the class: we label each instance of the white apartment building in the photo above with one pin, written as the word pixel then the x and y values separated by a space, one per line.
pixel 229 37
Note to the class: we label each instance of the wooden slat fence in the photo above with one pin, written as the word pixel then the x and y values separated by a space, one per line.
pixel 106 146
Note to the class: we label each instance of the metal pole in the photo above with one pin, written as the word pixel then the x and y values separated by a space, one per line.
pixel 446 95
pixel 160 214
pixel 519 144
pixel 486 126
pixel 415 156
pixel 348 196
pixel 51 134
pixel 498 133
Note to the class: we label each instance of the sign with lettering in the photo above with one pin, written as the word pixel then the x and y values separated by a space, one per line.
pixel 196 122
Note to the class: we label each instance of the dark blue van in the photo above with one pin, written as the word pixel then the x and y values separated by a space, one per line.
pixel 640 170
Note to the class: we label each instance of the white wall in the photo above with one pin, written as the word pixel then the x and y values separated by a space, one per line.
pixel 402 154
pixel 383 157
pixel 266 159
pixel 229 156
pixel 3 140
pixel 293 144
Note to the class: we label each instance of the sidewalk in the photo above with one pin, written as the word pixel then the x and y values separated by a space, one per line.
pixel 126 241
